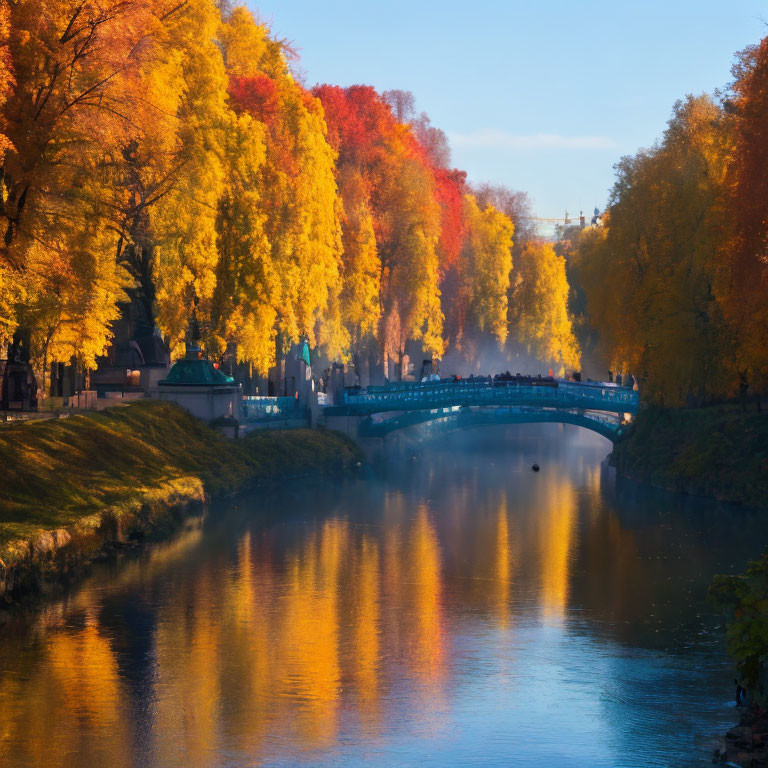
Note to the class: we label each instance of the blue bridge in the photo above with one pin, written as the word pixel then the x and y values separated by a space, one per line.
pixel 380 411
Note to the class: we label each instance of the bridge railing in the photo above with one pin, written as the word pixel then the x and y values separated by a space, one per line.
pixel 484 392
pixel 607 392
pixel 256 408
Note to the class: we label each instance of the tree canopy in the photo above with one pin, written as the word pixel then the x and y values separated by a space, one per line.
pixel 164 156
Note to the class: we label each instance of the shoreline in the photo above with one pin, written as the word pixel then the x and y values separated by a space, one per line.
pixel 37 567
pixel 746 744
pixel 44 546
pixel 717 452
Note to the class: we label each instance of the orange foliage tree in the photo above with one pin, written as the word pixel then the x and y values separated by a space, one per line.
pixel 163 153
pixel 73 107
pixel 744 274
pixel 387 173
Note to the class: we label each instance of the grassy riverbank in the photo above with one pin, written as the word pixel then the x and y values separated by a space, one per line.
pixel 719 451
pixel 78 484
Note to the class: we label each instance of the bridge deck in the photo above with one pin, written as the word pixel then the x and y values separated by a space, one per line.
pixel 559 394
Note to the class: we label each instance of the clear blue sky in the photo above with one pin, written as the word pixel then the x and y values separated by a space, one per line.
pixel 540 96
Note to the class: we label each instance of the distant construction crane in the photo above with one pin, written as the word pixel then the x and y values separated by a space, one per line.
pixel 565 221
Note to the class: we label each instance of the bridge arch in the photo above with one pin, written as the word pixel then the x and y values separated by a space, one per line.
pixel 379 411
pixel 457 418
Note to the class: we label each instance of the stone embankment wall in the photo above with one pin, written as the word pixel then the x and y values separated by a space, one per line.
pixel 88 486
pixel 51 557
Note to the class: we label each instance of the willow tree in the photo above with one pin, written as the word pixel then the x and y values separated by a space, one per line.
pixel 297 185
pixel 539 308
pixel 185 162
pixel 485 264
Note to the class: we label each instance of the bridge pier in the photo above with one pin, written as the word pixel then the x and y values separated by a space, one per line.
pixel 348 425
pixel 374 448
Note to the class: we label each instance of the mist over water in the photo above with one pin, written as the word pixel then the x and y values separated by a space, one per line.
pixel 452 609
pixel 483 358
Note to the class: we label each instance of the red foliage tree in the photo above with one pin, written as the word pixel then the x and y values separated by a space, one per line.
pixel 745 276
pixel 256 95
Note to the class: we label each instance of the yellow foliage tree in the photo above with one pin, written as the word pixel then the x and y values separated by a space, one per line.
pixel 484 269
pixel 410 266
pixel 73 108
pixel 297 184
pixel 9 289
pixel 247 283
pixel 360 308
pixel 539 307
pixel 649 277
pixel 188 84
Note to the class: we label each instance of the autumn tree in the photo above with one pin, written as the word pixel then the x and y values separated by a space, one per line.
pixel 360 295
pixel 513 203
pixel 649 279
pixel 392 179
pixel 8 280
pixel 247 283
pixel 410 264
pixel 484 272
pixel 76 67
pixel 539 314
pixel 297 183
pixel 743 276
pixel 190 161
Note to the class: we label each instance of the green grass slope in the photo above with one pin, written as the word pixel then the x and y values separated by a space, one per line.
pixel 719 451
pixel 60 471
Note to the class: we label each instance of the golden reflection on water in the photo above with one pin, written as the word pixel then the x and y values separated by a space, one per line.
pixel 188 689
pixel 269 643
pixel 308 636
pixel 366 630
pixel 70 703
pixel 503 569
pixel 556 534
pixel 424 557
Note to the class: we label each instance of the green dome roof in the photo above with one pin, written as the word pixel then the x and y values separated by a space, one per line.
pixel 196 372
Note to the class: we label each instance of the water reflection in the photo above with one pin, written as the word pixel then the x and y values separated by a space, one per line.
pixel 503 567
pixel 460 607
pixel 555 540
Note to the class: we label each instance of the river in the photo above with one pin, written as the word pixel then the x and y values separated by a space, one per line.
pixel 450 609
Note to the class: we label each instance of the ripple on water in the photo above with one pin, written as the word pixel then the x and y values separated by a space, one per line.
pixel 455 611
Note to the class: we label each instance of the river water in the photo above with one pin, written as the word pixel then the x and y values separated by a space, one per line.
pixel 451 609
